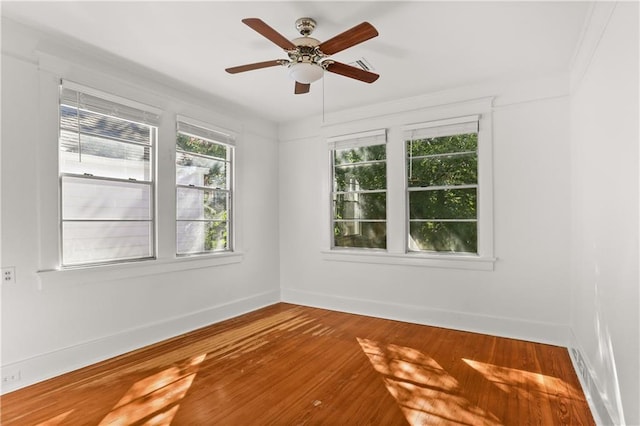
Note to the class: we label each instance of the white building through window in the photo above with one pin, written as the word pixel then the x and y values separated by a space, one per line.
pixel 106 172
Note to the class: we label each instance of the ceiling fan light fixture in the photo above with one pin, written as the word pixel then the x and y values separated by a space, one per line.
pixel 308 57
pixel 305 72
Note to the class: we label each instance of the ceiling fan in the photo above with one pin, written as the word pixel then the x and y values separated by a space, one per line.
pixel 308 57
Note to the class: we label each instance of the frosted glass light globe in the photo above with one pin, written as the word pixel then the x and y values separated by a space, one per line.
pixel 304 72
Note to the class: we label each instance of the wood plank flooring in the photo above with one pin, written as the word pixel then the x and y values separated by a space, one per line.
pixel 294 365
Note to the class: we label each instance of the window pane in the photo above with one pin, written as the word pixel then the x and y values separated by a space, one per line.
pixel 200 171
pixel 443 145
pixel 360 206
pixel 459 237
pixel 368 176
pixel 360 234
pixel 104 157
pixel 201 236
pixel 443 204
pixel 357 155
pixel 86 198
pixel 446 170
pixel 92 242
pixel 196 203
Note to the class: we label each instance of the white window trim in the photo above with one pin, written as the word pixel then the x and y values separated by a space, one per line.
pixel 60 279
pixel 462 261
pixel 396 253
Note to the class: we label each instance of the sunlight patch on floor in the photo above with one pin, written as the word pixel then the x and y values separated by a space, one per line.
pixel 157 396
pixel 524 383
pixel 425 392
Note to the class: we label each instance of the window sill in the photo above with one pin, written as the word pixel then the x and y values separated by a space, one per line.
pixel 66 278
pixel 469 262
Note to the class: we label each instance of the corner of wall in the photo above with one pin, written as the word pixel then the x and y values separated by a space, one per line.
pixel 586 376
pixel 594 26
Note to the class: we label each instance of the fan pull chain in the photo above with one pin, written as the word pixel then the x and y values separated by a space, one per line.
pixel 323 122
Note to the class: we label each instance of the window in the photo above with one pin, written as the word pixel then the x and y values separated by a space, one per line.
pixel 359 194
pixel 442 186
pixel 431 187
pixel 204 182
pixel 106 172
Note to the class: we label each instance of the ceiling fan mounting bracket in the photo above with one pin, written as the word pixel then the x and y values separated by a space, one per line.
pixel 305 26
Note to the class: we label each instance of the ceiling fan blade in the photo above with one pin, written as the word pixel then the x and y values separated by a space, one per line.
pixel 302 88
pixel 265 30
pixel 257 65
pixel 356 35
pixel 352 72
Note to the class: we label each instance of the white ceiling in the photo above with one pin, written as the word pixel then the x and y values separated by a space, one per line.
pixel 423 47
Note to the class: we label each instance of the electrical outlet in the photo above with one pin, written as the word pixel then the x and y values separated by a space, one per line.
pixel 9 275
pixel 11 376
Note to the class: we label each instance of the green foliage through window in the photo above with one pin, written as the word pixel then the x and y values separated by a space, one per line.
pixel 442 178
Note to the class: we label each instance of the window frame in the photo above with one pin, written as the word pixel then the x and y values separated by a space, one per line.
pixel 219 136
pixel 357 140
pixel 461 125
pixel 121 109
pixel 397 210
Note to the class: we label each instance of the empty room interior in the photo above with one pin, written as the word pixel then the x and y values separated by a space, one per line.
pixel 320 212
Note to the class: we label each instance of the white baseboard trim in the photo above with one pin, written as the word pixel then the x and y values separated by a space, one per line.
pixel 547 333
pixel 52 364
pixel 601 414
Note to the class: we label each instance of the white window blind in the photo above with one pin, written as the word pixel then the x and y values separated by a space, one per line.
pixel 441 128
pixel 89 99
pixel 355 140
pixel 192 127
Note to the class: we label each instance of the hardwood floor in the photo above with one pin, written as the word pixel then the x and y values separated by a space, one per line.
pixel 293 365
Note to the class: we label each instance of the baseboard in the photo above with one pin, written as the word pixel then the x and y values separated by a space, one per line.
pixel 590 389
pixel 51 364
pixel 547 333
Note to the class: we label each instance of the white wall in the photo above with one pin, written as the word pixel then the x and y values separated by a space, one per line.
pixel 566 226
pixel 605 215
pixel 527 293
pixel 53 322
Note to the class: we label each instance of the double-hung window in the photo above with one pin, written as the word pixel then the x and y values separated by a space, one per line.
pixel 420 194
pixel 442 185
pixel 359 182
pixel 204 184
pixel 106 175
